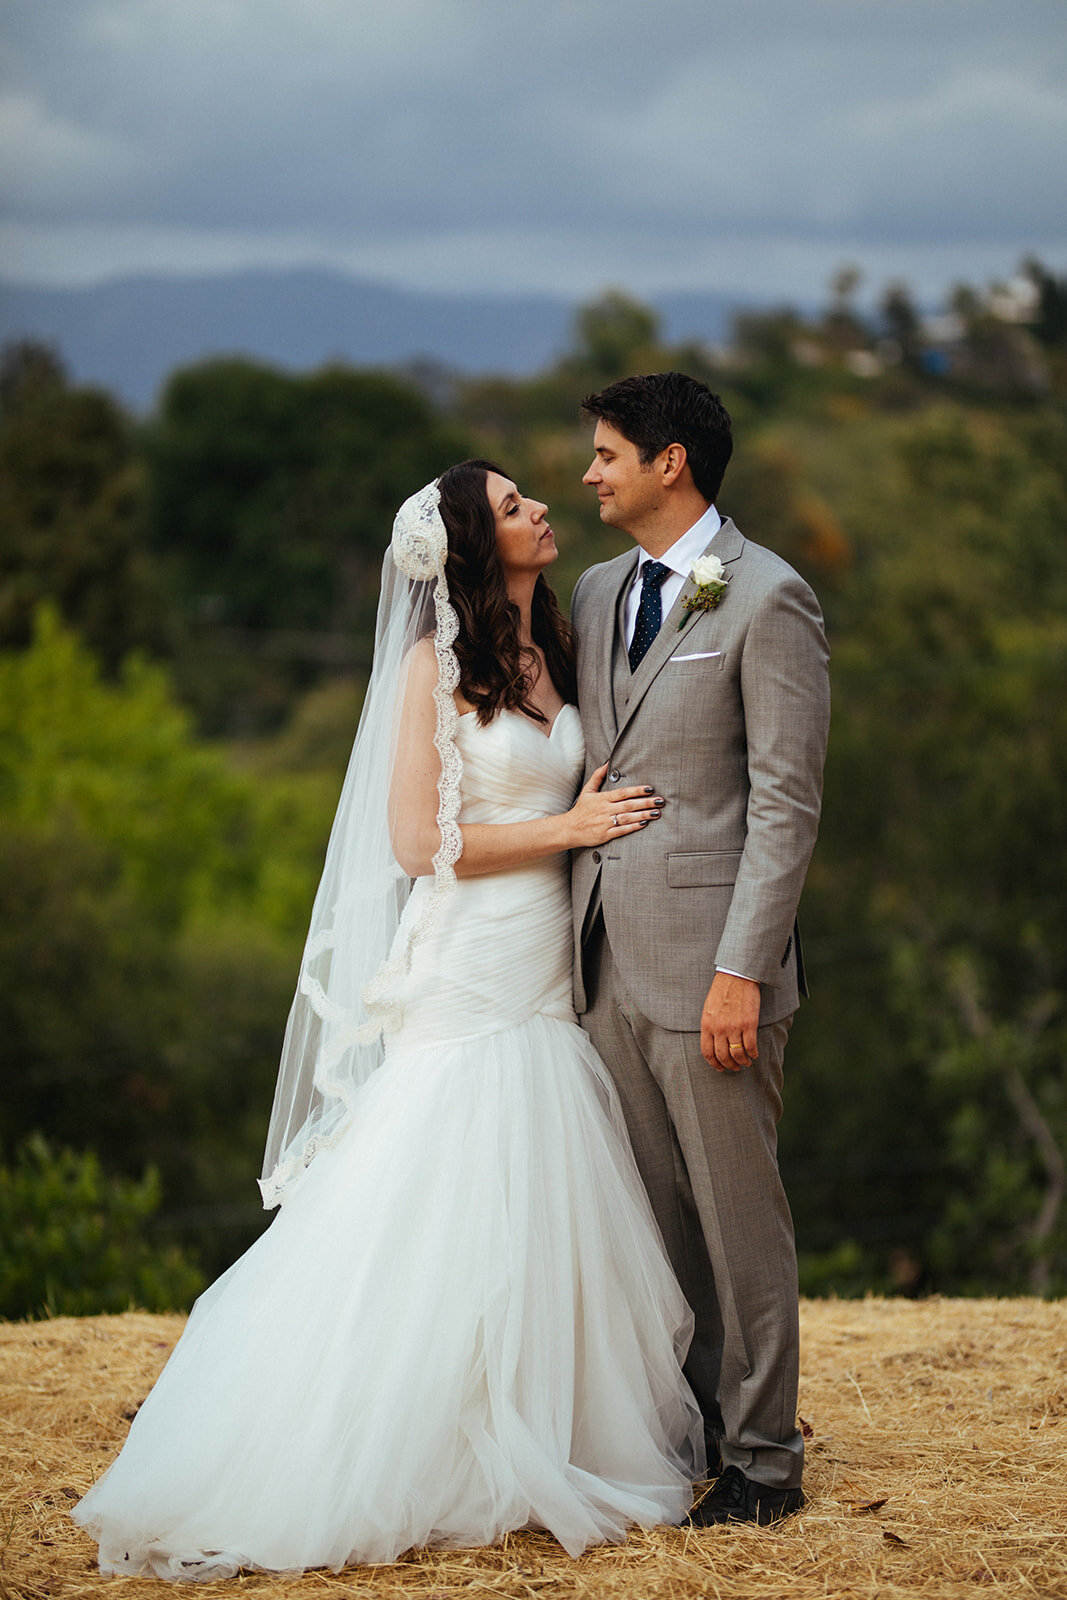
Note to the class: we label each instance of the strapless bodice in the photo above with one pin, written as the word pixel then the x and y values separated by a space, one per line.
pixel 500 948
pixel 514 771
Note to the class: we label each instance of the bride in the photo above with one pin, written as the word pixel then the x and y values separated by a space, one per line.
pixel 462 1321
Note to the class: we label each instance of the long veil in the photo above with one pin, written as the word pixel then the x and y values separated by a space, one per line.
pixel 356 955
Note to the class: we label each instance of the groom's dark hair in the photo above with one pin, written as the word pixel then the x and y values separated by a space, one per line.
pixel 664 408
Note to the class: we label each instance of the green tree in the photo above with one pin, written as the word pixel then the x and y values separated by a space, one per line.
pixel 842 325
pixel 766 492
pixel 903 324
pixel 152 904
pixel 1051 324
pixel 930 1110
pixel 198 841
pixel 70 496
pixel 270 501
pixel 613 336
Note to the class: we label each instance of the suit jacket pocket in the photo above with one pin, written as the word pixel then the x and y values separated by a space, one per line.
pixel 686 661
pixel 702 869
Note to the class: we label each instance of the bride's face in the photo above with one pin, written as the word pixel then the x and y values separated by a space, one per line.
pixel 524 537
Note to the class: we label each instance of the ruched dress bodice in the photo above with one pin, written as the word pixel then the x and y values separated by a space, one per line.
pixel 500 950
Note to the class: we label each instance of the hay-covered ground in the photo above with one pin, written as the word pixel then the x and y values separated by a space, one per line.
pixel 937 1466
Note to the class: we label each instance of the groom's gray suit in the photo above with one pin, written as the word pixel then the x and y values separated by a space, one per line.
pixel 727 717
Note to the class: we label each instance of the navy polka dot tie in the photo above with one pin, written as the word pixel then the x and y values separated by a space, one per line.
pixel 649 612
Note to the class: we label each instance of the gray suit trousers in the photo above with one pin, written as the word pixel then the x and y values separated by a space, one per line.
pixel 706 1148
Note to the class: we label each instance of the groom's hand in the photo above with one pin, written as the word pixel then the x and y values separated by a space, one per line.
pixel 729 1021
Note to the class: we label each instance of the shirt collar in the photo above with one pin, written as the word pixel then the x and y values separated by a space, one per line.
pixel 692 544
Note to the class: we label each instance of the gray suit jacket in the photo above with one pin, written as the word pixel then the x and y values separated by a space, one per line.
pixel 734 739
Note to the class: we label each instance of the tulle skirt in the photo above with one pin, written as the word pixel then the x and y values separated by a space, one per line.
pixel 461 1323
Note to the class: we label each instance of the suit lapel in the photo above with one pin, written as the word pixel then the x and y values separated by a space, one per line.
pixel 727 544
pixel 610 611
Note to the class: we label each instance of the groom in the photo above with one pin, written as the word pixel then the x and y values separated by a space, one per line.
pixel 688 966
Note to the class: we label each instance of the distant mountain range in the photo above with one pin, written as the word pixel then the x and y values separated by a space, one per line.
pixel 129 334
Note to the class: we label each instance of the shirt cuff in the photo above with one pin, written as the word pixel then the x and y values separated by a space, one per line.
pixel 730 973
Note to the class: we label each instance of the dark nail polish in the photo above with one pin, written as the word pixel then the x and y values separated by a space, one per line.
pixel 648 788
pixel 644 824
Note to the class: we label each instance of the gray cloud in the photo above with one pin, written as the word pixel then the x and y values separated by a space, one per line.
pixel 534 143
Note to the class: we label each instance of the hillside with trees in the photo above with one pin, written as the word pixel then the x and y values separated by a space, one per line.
pixel 186 617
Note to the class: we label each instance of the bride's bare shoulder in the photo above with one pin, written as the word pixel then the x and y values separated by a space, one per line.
pixel 422 672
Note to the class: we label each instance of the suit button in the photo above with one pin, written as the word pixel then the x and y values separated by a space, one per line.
pixel 596 857
pixel 614 775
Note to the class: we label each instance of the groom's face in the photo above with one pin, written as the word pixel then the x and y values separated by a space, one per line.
pixel 629 492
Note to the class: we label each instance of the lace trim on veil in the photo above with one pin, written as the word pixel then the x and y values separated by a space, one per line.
pixel 379 995
pixel 275 1188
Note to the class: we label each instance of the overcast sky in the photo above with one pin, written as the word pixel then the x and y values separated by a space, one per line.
pixel 747 147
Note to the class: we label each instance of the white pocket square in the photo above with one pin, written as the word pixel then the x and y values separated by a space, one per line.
pixel 700 655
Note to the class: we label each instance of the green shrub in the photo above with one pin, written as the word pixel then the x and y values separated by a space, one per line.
pixel 72 1239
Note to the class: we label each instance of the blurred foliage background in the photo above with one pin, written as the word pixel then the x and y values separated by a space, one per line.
pixel 186 617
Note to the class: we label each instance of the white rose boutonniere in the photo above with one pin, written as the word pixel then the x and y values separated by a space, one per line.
pixel 707 574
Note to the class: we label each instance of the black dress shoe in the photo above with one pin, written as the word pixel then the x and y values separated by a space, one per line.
pixel 735 1498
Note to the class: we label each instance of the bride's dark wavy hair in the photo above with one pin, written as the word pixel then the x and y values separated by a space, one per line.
pixel 495 670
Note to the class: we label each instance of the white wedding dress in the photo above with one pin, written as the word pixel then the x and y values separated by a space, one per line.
pixel 462 1322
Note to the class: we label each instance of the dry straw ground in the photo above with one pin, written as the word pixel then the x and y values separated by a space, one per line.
pixel 937 1467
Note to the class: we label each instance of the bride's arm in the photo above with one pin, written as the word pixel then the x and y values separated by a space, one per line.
pixel 489 846
pixel 493 846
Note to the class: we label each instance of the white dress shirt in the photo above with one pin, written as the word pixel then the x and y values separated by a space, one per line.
pixel 679 558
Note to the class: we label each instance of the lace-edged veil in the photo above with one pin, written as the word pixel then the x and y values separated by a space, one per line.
pixel 356 956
